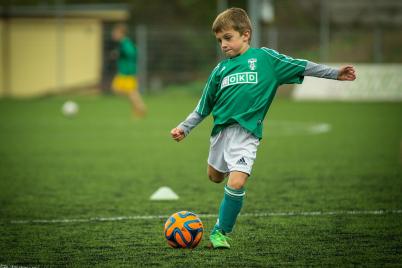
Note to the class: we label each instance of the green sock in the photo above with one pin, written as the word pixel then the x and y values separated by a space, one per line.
pixel 231 205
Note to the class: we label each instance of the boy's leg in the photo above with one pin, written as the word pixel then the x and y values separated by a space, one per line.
pixel 215 175
pixel 232 201
pixel 237 180
pixel 239 155
pixel 230 207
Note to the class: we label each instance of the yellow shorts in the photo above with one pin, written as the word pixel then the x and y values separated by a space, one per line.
pixel 124 83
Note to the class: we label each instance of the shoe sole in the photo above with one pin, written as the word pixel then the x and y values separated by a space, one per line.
pixel 210 246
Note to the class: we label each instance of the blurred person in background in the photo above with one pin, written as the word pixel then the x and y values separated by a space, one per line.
pixel 125 81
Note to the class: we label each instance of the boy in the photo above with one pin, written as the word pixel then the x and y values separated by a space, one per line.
pixel 239 92
pixel 125 82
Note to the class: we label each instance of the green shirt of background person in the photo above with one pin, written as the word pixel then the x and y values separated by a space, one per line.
pixel 127 60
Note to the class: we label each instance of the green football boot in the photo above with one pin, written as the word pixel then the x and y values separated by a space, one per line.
pixel 219 240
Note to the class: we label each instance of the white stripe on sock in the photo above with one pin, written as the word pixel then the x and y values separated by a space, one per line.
pixel 229 192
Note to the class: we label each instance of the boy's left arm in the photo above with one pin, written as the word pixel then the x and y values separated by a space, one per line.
pixel 344 73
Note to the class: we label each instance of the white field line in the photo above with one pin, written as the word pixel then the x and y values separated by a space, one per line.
pixel 292 128
pixel 258 214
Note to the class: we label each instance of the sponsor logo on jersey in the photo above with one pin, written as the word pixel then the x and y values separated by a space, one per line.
pixel 252 64
pixel 240 78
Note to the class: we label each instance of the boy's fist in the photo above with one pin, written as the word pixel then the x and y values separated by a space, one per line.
pixel 347 73
pixel 177 134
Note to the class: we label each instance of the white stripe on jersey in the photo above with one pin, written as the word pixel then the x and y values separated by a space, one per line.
pixel 268 51
pixel 205 93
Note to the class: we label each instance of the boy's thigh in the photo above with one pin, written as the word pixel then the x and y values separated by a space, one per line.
pixel 241 151
pixel 216 160
pixel 215 175
pixel 233 149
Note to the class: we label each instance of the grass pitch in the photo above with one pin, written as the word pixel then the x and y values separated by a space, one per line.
pixel 103 163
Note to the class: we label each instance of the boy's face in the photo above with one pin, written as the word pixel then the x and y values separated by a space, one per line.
pixel 232 42
pixel 117 34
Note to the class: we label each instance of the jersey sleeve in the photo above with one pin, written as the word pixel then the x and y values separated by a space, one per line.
pixel 321 71
pixel 191 122
pixel 207 101
pixel 287 69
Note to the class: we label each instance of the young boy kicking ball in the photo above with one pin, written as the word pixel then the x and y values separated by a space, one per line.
pixel 238 93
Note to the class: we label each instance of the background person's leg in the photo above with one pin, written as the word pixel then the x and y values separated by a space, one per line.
pixel 137 103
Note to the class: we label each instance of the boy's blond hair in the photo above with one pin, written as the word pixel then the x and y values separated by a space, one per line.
pixel 232 18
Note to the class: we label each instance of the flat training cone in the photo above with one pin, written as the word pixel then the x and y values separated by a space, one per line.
pixel 164 193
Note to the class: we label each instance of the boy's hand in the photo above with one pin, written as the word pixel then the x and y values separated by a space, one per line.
pixel 177 134
pixel 347 73
pixel 114 54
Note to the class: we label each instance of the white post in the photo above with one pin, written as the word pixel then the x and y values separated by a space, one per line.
pixel 5 38
pixel 377 43
pixel 254 11
pixel 222 5
pixel 324 31
pixel 268 18
pixel 60 46
pixel 142 57
pixel 273 37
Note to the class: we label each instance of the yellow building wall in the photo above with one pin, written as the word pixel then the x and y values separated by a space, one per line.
pixel 82 53
pixel 46 57
pixel 33 54
pixel 1 59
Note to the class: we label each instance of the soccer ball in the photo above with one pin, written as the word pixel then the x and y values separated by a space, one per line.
pixel 70 108
pixel 183 229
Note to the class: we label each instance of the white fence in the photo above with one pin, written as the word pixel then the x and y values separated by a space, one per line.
pixel 375 82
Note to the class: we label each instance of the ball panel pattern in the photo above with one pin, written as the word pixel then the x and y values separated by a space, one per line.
pixel 183 229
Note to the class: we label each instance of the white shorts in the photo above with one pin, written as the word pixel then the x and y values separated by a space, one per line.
pixel 233 149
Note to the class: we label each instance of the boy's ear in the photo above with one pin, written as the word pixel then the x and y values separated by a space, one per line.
pixel 247 35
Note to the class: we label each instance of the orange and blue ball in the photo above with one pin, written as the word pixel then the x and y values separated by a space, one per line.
pixel 183 229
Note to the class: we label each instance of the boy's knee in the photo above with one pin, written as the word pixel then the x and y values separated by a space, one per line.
pixel 237 180
pixel 215 176
pixel 236 185
pixel 216 179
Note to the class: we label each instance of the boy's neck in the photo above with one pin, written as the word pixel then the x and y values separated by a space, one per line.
pixel 245 49
pixel 242 52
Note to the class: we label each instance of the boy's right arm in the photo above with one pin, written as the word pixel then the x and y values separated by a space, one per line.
pixel 184 128
pixel 203 109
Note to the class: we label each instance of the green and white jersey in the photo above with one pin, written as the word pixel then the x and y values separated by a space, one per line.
pixel 241 89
